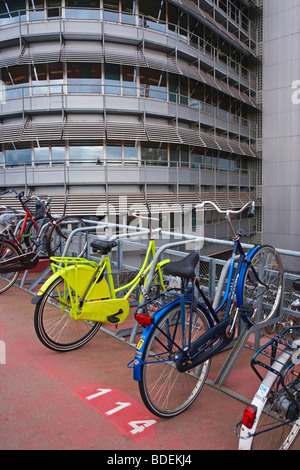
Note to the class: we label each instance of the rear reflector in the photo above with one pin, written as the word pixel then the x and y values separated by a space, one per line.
pixel 143 319
pixel 249 416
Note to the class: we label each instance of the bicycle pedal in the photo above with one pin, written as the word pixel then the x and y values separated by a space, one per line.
pixel 246 310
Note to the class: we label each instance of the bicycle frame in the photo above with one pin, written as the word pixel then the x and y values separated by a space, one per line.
pixel 221 332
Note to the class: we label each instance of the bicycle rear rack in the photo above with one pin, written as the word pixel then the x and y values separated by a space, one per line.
pixel 268 354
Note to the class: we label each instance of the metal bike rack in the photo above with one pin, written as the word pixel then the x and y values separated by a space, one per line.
pixel 244 331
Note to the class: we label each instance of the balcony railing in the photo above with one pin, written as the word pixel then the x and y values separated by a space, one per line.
pixel 64 15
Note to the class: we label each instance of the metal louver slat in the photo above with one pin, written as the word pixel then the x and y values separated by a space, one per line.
pixel 161 62
pixel 224 144
pixel 189 70
pixel 77 51
pixel 42 131
pixel 190 137
pixel 209 140
pixel 43 52
pixel 125 131
pixel 86 130
pixel 9 56
pixel 11 133
pixel 123 54
pixel 161 133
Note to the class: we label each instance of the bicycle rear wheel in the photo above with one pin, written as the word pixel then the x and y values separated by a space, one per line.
pixel 52 321
pixel 262 284
pixel 58 235
pixel 7 252
pixel 165 391
pixel 279 422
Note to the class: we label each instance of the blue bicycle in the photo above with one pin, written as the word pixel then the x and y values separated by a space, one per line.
pixel 183 331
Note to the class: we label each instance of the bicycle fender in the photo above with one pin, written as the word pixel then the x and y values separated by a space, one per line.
pixel 138 362
pixel 140 347
pixel 239 287
pixel 44 287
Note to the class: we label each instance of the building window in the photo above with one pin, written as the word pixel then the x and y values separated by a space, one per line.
pixel 153 83
pixel 56 77
pixel 39 79
pixel 154 153
pixel 111 10
pixel 83 9
pixel 128 11
pixel 17 154
pixel 84 78
pixel 86 152
pixel 113 152
pixel 197 157
pixel 154 14
pixel 58 152
pixel 41 153
pixel 112 79
pixel 130 152
pixel 129 80
pixel 10 11
pixel 16 81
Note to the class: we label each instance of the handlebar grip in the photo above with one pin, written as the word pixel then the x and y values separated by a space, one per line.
pixel 251 210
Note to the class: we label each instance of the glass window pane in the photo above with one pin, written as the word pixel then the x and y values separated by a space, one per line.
pixel 58 152
pixel 41 154
pixel 113 152
pixel 53 8
pixel 17 154
pixel 174 155
pixel 112 79
pixel 129 80
pixel 56 77
pixel 130 152
pixel 86 152
pixel 111 10
pixel 39 79
pixel 128 11
pixel 84 78
pixel 154 153
pixel 153 83
pixel 16 81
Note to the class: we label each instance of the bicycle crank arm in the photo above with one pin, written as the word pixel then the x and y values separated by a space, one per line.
pixel 204 348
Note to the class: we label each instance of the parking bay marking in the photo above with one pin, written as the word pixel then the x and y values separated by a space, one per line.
pixel 126 414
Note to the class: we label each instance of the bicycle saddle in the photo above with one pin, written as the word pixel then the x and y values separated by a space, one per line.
pixel 185 268
pixel 103 246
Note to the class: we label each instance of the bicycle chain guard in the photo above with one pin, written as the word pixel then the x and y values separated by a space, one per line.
pixel 19 263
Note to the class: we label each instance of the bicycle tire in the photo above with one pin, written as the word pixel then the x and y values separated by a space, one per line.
pixel 30 233
pixel 53 324
pixel 8 251
pixel 266 264
pixel 272 429
pixel 57 237
pixel 165 391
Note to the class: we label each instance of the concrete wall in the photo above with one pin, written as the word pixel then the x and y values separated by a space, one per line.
pixel 281 125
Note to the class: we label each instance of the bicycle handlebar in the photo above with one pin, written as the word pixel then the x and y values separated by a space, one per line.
pixel 250 205
pixel 33 197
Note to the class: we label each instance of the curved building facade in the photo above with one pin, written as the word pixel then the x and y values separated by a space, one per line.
pixel 131 102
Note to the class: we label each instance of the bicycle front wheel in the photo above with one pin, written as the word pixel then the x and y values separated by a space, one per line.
pixel 52 321
pixel 262 284
pixel 8 251
pixel 59 233
pixel 165 391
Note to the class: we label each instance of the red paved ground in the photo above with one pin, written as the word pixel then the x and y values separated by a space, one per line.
pixel 44 405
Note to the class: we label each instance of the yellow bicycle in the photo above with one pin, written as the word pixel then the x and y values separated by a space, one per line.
pixel 81 295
